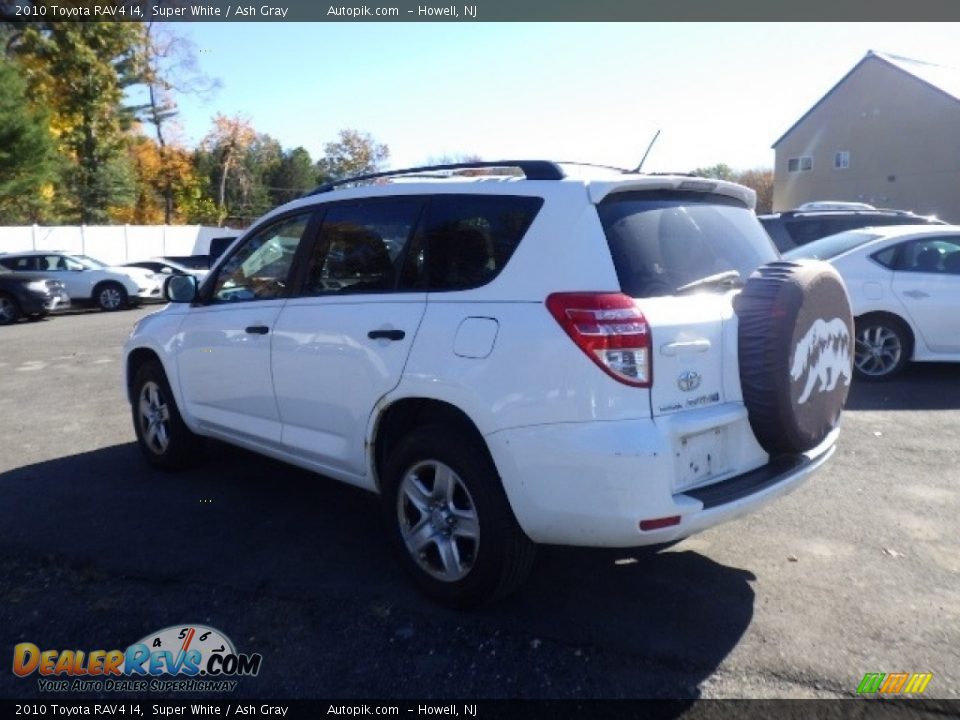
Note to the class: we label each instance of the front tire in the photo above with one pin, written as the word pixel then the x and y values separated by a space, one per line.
pixel 110 296
pixel 9 310
pixel 883 347
pixel 164 439
pixel 450 520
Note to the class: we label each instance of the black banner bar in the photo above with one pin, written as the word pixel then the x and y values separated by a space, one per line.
pixel 476 11
pixel 487 709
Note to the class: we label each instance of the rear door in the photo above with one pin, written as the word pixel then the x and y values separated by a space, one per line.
pixel 681 255
pixel 342 344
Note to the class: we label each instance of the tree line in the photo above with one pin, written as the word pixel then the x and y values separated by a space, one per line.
pixel 88 134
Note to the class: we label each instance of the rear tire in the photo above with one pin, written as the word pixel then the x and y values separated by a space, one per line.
pixel 9 310
pixel 450 521
pixel 164 439
pixel 110 296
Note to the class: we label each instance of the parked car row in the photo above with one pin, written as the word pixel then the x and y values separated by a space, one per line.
pixel 39 282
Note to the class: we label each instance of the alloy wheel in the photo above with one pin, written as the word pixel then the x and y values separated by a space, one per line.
pixel 154 418
pixel 878 350
pixel 438 520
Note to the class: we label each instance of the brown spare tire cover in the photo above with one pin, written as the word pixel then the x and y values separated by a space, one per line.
pixel 796 350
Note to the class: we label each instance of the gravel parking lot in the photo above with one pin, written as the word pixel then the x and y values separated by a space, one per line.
pixel 858 571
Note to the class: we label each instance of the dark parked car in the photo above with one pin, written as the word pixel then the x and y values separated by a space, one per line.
pixel 793 228
pixel 33 296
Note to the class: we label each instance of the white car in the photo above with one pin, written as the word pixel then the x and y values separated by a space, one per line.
pixel 87 280
pixel 164 268
pixel 904 285
pixel 509 359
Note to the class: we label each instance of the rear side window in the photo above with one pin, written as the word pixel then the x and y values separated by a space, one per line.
pixel 21 263
pixel 468 239
pixel 663 240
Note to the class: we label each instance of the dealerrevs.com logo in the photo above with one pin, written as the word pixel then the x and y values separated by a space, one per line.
pixel 186 658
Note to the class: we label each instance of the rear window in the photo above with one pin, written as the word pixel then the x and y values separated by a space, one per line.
pixel 831 246
pixel 661 241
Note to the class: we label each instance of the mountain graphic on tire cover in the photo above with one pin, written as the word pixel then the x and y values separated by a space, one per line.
pixel 822 357
pixel 795 351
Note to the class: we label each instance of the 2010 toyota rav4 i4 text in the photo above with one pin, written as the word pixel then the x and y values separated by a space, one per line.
pixel 567 355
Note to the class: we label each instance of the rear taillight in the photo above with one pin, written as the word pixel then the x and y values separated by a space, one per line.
pixel 610 330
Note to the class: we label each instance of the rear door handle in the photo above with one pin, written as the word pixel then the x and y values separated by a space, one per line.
pixel 258 329
pixel 916 294
pixel 386 334
pixel 688 347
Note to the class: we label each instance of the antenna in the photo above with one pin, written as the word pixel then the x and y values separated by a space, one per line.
pixel 649 148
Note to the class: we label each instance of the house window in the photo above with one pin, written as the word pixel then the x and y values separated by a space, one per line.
pixel 841 160
pixel 800 164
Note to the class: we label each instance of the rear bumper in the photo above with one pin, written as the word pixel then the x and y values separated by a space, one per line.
pixel 591 484
pixel 37 304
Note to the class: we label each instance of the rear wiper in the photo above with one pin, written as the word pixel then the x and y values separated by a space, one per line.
pixel 728 278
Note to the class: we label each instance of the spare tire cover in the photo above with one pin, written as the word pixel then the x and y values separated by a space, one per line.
pixel 796 351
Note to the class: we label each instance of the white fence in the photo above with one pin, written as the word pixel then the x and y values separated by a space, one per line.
pixel 114 244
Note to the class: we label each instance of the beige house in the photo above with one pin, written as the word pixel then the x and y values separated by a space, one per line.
pixel 887 134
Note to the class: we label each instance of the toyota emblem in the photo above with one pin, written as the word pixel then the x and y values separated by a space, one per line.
pixel 689 380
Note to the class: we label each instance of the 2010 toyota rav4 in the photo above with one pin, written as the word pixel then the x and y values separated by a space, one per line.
pixel 572 356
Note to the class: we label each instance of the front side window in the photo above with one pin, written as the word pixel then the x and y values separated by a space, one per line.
pixel 362 246
pixel 663 240
pixel 260 268
pixel 470 238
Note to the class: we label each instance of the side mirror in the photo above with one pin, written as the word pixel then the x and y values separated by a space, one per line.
pixel 181 288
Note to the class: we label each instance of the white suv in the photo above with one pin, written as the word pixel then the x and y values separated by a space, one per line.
pixel 566 355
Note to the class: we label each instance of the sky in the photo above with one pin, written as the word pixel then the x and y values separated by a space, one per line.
pixel 587 92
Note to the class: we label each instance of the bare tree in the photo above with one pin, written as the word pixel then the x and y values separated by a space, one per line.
pixel 167 67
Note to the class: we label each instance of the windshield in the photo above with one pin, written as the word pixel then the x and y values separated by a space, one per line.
pixel 89 261
pixel 176 266
pixel 666 241
pixel 831 246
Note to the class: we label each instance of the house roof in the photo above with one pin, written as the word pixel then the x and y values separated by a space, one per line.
pixel 941 78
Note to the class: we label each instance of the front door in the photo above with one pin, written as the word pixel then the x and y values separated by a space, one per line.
pixel 223 353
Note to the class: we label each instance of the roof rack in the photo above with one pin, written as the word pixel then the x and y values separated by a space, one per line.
pixel 837 211
pixel 532 170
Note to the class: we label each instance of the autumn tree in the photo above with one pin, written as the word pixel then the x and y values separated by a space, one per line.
pixel 761 181
pixel 227 145
pixel 353 153
pixel 79 71
pixel 27 153
pixel 161 171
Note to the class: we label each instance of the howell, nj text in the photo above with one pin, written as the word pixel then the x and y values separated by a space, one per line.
pixel 447 11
